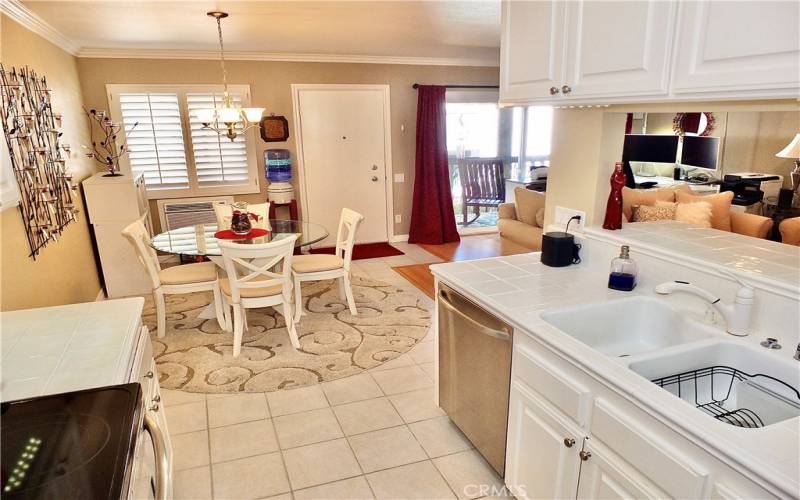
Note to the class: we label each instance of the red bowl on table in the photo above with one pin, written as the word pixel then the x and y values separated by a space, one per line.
pixel 227 234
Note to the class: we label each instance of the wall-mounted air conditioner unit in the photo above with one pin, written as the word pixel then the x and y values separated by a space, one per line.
pixel 184 212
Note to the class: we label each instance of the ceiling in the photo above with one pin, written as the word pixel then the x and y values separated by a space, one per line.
pixel 458 30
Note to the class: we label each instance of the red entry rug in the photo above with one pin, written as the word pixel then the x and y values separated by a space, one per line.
pixel 365 251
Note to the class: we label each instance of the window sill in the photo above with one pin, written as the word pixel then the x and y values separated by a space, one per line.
pixel 163 194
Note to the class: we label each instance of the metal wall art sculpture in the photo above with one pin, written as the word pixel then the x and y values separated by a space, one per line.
pixel 33 135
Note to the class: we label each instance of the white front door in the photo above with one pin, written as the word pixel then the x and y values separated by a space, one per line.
pixel 344 152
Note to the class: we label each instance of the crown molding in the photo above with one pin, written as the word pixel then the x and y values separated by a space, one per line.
pixel 100 53
pixel 15 10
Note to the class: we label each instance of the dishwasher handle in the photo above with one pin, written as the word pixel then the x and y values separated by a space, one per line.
pixel 480 327
pixel 162 460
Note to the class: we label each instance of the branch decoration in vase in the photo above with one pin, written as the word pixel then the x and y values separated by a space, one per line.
pixel 106 151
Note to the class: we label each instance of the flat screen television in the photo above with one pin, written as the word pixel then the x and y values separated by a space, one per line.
pixel 700 152
pixel 650 148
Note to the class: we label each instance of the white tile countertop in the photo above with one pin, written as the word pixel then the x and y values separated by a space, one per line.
pixel 519 289
pixel 64 348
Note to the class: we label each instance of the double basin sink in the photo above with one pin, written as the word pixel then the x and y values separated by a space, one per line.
pixel 731 382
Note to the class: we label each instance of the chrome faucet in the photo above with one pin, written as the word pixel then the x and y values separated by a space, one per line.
pixel 737 315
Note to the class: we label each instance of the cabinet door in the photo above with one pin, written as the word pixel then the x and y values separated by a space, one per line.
pixel 605 475
pixel 531 50
pixel 618 48
pixel 749 48
pixel 539 463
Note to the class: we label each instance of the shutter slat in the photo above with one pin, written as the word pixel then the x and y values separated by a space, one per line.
pixel 156 143
pixel 218 161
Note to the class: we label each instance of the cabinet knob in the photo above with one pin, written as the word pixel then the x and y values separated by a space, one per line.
pixel 554 90
pixel 148 374
pixel 566 89
pixel 585 455
pixel 568 442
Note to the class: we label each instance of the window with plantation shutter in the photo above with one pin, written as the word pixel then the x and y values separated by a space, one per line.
pixel 168 144
pixel 155 138
pixel 217 159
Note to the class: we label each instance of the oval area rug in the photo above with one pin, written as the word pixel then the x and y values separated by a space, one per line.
pixel 195 355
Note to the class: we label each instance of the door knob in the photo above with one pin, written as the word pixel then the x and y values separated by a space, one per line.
pixel 554 90
pixel 585 455
pixel 374 178
pixel 374 167
pixel 566 89
pixel 568 442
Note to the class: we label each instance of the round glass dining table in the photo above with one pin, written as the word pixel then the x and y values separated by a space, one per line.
pixel 199 239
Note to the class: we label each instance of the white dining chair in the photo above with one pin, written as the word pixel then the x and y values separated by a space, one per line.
pixel 259 275
pixel 187 278
pixel 224 212
pixel 317 267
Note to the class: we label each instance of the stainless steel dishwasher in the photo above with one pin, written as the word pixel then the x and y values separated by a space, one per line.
pixel 475 373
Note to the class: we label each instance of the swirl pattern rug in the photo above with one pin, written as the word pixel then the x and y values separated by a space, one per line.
pixel 195 355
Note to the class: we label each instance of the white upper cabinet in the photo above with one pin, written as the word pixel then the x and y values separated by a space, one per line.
pixel 598 52
pixel 615 47
pixel 532 49
pixel 743 48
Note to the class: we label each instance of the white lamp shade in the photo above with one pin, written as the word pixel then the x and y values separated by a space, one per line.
pixel 253 114
pixel 205 115
pixel 229 115
pixel 792 150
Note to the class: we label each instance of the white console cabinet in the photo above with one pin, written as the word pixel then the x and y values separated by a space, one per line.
pixel 605 52
pixel 113 203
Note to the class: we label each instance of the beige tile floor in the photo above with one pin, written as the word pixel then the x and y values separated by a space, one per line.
pixel 375 435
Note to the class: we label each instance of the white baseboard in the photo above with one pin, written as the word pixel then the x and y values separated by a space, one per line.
pixel 397 238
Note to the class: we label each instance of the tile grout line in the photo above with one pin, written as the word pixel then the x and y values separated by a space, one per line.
pixel 278 443
pixel 349 445
pixel 208 436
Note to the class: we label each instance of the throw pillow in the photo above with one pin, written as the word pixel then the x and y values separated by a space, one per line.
pixel 662 211
pixel 527 203
pixel 720 207
pixel 649 197
pixel 697 212
pixel 540 217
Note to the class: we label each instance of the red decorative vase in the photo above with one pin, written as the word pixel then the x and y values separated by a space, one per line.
pixel 613 218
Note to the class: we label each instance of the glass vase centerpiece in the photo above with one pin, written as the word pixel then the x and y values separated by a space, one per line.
pixel 240 218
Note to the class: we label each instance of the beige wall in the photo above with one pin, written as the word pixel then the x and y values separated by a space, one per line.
pixel 270 88
pixel 64 271
pixel 753 138
pixel 587 142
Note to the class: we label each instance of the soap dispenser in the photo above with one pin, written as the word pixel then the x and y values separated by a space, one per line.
pixel 623 271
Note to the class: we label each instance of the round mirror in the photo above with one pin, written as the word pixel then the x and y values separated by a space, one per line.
pixel 693 123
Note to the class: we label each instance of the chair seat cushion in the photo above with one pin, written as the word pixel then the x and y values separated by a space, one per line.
pixel 316 263
pixel 264 291
pixel 188 273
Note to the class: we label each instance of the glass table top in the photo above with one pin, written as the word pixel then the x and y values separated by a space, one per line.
pixel 200 240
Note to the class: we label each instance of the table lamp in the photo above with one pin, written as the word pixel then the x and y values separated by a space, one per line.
pixel 793 151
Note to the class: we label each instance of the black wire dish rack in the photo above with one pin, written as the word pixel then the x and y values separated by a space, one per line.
pixel 735 397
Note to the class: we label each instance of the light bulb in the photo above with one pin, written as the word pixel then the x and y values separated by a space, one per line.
pixel 253 114
pixel 229 115
pixel 205 115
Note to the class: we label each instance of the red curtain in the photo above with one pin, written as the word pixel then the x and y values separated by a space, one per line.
pixel 433 219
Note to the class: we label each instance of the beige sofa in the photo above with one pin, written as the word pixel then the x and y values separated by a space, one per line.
pixel 522 220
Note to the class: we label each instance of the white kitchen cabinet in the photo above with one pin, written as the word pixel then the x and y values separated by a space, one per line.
pixel 532 49
pixel 605 475
pixel 738 47
pixel 542 455
pixel 618 48
pixel 599 52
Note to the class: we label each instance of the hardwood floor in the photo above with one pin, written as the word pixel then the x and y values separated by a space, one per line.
pixel 469 248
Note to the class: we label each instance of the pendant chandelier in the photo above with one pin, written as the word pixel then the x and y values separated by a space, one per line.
pixel 231 119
